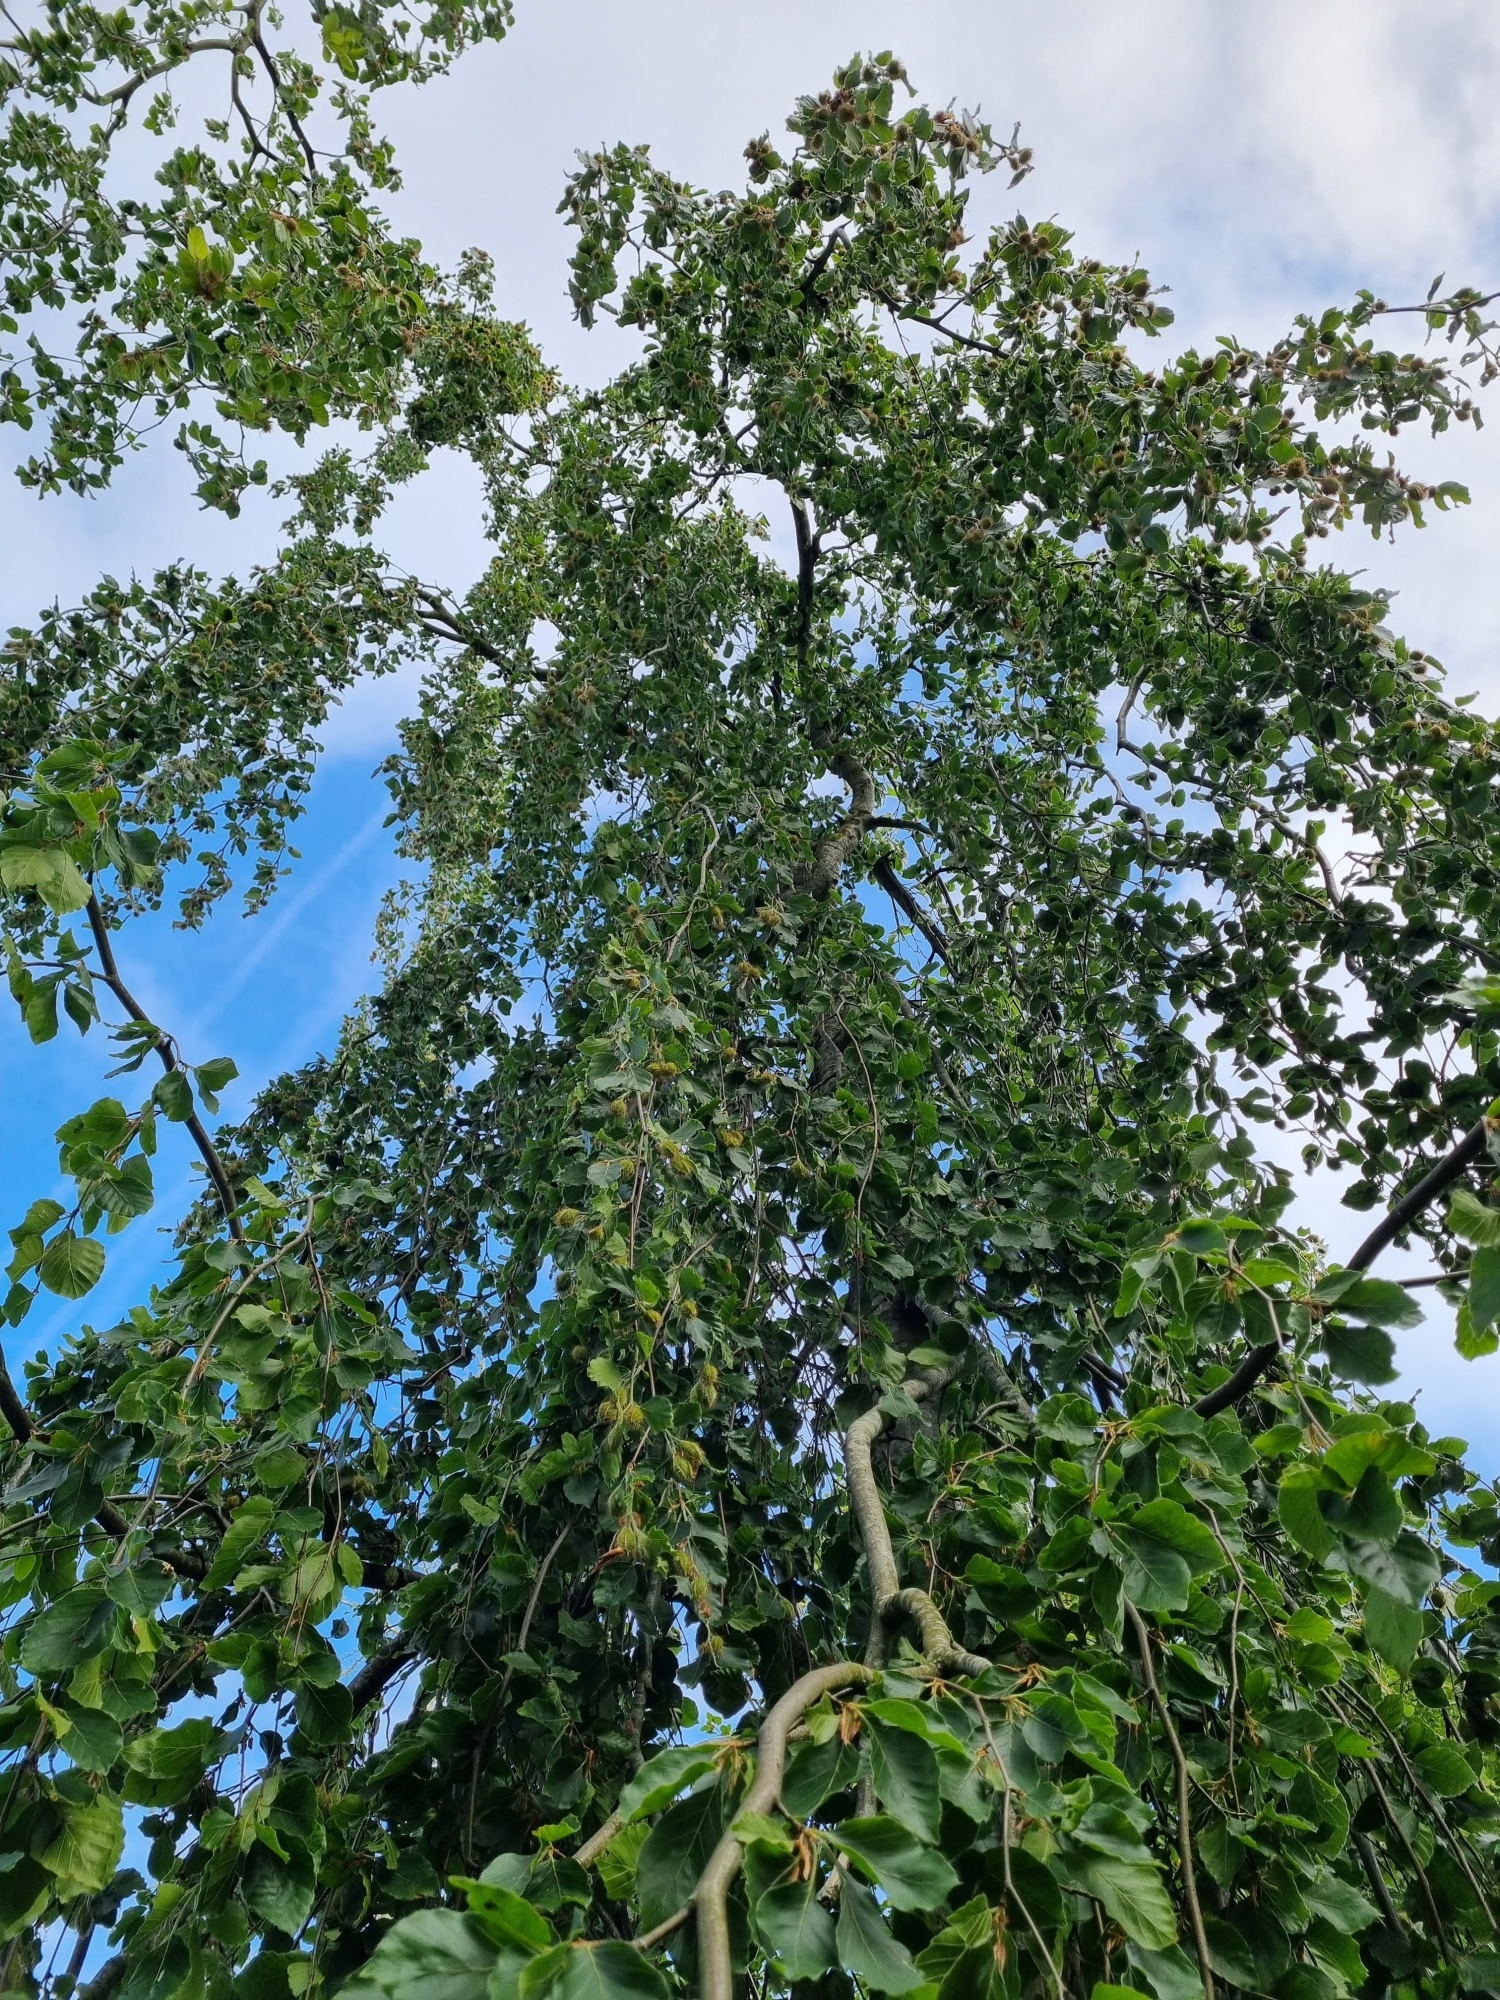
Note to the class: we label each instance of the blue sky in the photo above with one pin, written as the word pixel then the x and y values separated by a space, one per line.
pixel 1261 158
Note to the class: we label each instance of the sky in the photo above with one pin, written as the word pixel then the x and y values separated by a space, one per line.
pixel 1261 158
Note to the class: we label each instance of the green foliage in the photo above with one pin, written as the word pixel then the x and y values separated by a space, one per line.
pixel 249 275
pixel 793 1208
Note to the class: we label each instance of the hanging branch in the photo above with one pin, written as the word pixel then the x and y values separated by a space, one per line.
pixel 710 1904
pixel 1184 1808
pixel 170 1061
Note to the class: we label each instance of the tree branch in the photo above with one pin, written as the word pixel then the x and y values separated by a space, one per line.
pixel 1184 1809
pixel 889 1603
pixel 709 1899
pixel 1470 1147
pixel 376 1675
pixel 835 848
pixel 13 1408
pixel 905 901
pixel 169 1062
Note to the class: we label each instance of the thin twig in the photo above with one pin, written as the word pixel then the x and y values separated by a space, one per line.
pixel 1184 1804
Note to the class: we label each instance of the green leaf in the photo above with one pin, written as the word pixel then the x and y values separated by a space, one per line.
pixel 1444 1769
pixel 795 1928
pixel 815 1771
pixel 555 1880
pixel 1484 1288
pixel 1472 1345
pixel 1131 1892
pixel 173 1095
pixel 1375 1511
pixel 68 1632
pixel 912 1875
pixel 1378 1302
pixel 867 1949
pixel 663 1777
pixel 39 1218
pixel 52 873
pixel 171 1761
pixel 430 1955
pixel 508 1918
pixel 1329 1896
pixel 325 1715
pixel 252 1520
pixel 93 1739
pixel 282 1891
pixel 212 1076
pixel 1170 1974
pixel 616 1864
pixel 584 1971
pixel 1407 1568
pixel 1474 1220
pixel 280 1466
pixel 1167 1522
pixel 1393 1629
pixel 141 1588
pixel 1299 1510
pixel 1359 1353
pixel 87 1851
pixel 72 1265
pixel 1155 1576
pixel 905 1771
pixel 676 1853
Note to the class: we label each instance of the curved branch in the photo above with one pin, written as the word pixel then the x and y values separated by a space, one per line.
pixel 169 1062
pixel 710 1897
pixel 835 848
pixel 889 1603
pixel 939 1647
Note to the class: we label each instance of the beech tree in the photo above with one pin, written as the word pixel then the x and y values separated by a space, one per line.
pixel 766 1419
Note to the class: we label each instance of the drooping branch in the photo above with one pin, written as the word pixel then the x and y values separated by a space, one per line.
pixel 1470 1147
pixel 1184 1804
pixel 905 901
pixel 710 1902
pixel 890 1606
pixel 1463 1154
pixel 164 1049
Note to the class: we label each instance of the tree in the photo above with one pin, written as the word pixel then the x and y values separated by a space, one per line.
pixel 764 1414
